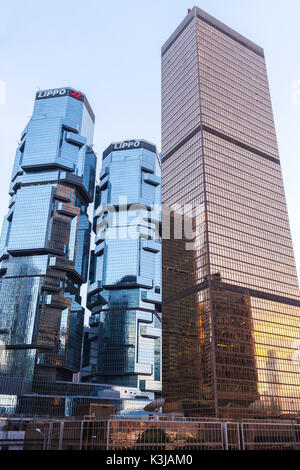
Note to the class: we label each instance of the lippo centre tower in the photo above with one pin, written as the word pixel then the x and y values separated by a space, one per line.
pixel 44 248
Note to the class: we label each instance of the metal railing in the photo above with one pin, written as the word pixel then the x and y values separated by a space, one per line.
pixel 143 433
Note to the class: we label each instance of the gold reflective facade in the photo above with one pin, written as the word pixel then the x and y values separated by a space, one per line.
pixel 235 296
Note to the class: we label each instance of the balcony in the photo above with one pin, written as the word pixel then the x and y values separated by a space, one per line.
pixel 150 385
pixel 10 213
pixel 99 249
pixel 52 285
pixel 94 288
pixel 94 320
pixel 103 183
pixel 53 301
pixel 145 231
pixel 144 282
pixel 151 297
pixel 104 173
pixel 12 201
pixel 3 269
pixel 150 332
pixel 145 369
pixel 151 179
pixel 62 163
pixel 4 254
pixel 75 180
pixel 132 282
pixel 98 240
pixel 75 139
pixel 67 209
pixel 144 317
pixel 56 247
pixel 95 301
pixel 66 265
pixel 149 245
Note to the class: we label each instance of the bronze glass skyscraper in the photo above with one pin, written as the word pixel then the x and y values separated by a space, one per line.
pixel 220 161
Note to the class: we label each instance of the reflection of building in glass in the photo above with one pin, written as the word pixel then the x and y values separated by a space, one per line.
pixel 234 348
pixel 123 346
pixel 183 344
pixel 219 154
pixel 45 243
pixel 273 381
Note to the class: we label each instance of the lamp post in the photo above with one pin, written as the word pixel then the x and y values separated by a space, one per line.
pixel 45 436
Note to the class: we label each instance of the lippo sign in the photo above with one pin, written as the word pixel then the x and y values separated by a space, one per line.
pixel 127 144
pixel 58 92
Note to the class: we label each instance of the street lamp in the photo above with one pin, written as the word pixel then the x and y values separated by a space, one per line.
pixel 44 437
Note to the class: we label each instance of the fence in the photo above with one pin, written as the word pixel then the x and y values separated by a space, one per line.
pixel 163 433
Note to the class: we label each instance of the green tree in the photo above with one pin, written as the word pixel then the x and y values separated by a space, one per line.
pixel 153 436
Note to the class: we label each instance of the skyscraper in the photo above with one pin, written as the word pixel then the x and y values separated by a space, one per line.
pixel 45 243
pixel 220 163
pixel 123 346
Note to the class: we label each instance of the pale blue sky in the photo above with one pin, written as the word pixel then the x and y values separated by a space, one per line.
pixel 111 51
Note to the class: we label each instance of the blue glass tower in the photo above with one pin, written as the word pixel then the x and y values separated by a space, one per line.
pixel 123 346
pixel 45 242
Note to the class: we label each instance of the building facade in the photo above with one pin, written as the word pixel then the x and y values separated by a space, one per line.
pixel 45 244
pixel 123 346
pixel 239 303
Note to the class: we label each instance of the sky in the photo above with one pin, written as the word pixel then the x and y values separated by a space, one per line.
pixel 111 52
